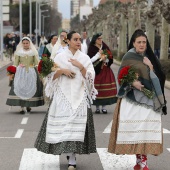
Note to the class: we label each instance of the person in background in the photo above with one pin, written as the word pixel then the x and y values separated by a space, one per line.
pixel 27 89
pixel 104 81
pixel 49 47
pixel 137 124
pixel 61 44
pixel 43 42
pixel 85 42
pixel 72 90
pixel 9 45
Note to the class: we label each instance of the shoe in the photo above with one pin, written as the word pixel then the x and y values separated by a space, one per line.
pixel 144 163
pixel 97 111
pixel 145 168
pixel 22 112
pixel 28 109
pixel 71 167
pixel 137 167
pixel 104 111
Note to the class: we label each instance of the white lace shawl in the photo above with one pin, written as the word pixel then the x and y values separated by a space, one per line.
pixel 49 47
pixel 23 53
pixel 87 82
pixel 71 97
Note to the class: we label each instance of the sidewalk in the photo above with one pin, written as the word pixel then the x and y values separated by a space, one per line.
pixel 5 63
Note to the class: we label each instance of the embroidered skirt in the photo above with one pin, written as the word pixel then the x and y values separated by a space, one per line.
pixel 105 84
pixel 133 146
pixel 86 147
pixel 36 100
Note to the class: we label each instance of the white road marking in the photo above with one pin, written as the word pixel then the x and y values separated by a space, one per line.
pixel 17 135
pixel 108 129
pixel 24 121
pixel 168 149
pixel 166 131
pixel 35 160
pixel 116 162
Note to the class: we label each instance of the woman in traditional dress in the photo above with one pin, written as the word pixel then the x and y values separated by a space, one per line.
pixel 60 45
pixel 137 127
pixel 68 126
pixel 104 81
pixel 27 89
pixel 49 47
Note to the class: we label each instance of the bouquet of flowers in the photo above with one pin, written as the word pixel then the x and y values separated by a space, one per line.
pixel 128 75
pixel 44 55
pixel 46 66
pixel 108 55
pixel 11 70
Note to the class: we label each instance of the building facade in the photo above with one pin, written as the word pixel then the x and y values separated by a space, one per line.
pixel 54 4
pixel 66 24
pixel 75 8
pixel 86 2
pixel 85 8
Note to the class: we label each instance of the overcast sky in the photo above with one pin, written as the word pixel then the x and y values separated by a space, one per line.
pixel 64 7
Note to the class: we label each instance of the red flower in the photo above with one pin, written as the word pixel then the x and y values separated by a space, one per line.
pixel 40 66
pixel 108 53
pixel 11 69
pixel 46 66
pixel 126 74
pixel 44 55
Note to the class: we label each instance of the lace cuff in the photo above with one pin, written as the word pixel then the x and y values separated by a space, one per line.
pixel 50 85
pixel 89 87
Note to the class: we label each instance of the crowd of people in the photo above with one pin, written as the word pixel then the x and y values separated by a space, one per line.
pixel 84 77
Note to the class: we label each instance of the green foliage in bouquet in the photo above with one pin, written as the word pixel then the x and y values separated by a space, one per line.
pixel 45 66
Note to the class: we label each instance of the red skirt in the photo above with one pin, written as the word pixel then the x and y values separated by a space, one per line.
pixel 105 84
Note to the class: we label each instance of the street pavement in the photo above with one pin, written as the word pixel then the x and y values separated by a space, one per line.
pixel 18 134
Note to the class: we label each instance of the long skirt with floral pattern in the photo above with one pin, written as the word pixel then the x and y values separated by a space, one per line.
pixel 86 147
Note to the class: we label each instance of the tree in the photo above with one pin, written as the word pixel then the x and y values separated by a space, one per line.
pixel 52 24
pixel 75 23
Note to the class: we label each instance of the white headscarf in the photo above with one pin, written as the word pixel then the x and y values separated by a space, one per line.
pixel 55 48
pixel 32 47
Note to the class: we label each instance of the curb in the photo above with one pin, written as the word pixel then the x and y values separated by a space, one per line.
pixel 5 66
pixel 167 83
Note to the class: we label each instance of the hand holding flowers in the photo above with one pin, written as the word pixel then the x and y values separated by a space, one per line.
pixel 105 55
pixel 11 70
pixel 129 75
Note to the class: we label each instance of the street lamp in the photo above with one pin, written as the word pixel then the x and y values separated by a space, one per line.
pixel 20 18
pixel 43 21
pixel 41 11
pixel 37 30
pixel 30 18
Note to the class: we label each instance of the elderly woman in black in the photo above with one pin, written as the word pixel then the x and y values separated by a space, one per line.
pixel 104 81
pixel 137 126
